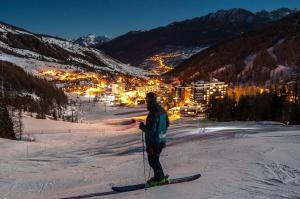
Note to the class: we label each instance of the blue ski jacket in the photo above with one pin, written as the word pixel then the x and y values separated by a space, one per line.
pixel 157 123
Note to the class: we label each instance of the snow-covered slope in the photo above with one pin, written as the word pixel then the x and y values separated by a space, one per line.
pixel 6 28
pixel 237 160
pixel 20 46
pixel 92 40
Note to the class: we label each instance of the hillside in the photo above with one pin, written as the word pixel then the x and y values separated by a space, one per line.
pixel 265 55
pixel 137 46
pixel 33 51
pixel 29 93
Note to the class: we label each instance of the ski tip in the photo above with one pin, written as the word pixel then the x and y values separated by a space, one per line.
pixel 194 177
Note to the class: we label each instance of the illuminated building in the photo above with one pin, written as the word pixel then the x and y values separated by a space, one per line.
pixel 118 88
pixel 202 91
pixel 183 93
pixel 142 90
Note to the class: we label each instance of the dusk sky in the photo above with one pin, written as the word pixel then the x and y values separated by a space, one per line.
pixel 74 18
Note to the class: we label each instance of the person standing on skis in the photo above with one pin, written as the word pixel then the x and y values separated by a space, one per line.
pixel 156 126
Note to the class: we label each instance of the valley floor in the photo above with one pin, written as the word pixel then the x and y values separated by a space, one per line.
pixel 236 159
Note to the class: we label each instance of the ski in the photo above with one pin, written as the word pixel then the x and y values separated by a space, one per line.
pixel 143 186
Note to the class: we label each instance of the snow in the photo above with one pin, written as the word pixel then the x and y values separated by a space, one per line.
pixel 236 159
pixel 27 53
pixel 7 29
pixel 32 95
pixel 92 118
pixel 67 45
pixel 221 69
pixel 32 65
pixel 32 60
pixel 280 71
pixel 92 40
pixel 75 50
pixel 248 64
pixel 271 49
pixel 89 40
pixel 194 75
pixel 110 64
pixel 81 61
pixel 249 59
pixel 271 52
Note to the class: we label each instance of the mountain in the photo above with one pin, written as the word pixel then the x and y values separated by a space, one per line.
pixel 137 46
pixel 92 40
pixel 33 52
pixel 275 14
pixel 265 55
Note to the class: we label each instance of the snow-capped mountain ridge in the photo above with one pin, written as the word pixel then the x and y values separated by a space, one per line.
pixel 240 14
pixel 276 14
pixel 232 15
pixel 92 40
pixel 200 31
pixel 7 28
pixel 37 48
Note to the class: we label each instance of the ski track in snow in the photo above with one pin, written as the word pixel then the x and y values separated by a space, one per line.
pixel 236 160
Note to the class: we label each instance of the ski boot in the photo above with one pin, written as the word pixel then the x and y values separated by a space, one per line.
pixel 152 182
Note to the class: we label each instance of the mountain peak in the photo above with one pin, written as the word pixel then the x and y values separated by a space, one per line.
pixel 91 40
pixel 275 14
pixel 232 15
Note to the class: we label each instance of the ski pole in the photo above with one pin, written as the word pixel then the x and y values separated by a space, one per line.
pixel 144 158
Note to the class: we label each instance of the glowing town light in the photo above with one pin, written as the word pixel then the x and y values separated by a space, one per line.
pixel 162 66
pixel 93 91
pixel 78 92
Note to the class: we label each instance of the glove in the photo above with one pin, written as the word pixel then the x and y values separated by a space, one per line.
pixel 142 125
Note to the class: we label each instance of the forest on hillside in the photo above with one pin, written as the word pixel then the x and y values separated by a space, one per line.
pixel 23 92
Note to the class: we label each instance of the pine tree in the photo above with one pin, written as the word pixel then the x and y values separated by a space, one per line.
pixel 6 125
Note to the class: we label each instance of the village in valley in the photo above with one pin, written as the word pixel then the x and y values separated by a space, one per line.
pixel 180 100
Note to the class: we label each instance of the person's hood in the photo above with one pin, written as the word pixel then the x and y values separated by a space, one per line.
pixel 154 107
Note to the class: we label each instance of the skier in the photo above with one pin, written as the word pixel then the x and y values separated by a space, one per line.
pixel 157 123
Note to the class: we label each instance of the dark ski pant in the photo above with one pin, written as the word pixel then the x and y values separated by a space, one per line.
pixel 153 153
